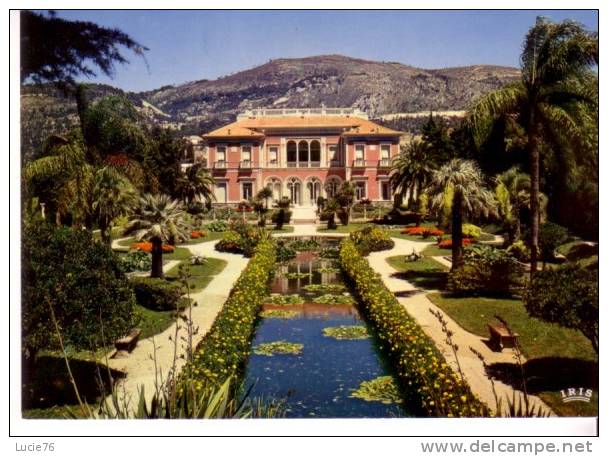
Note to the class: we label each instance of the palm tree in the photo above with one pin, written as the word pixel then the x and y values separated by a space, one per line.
pixel 345 198
pixel 552 101
pixel 411 171
pixel 513 198
pixel 471 197
pixel 113 196
pixel 158 219
pixel 197 182
pixel 265 194
pixel 62 178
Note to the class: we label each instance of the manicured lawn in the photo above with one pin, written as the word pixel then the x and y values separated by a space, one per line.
pixel 201 274
pixel 434 250
pixel 537 338
pixel 211 236
pixel 554 400
pixel 558 358
pixel 425 273
pixel 343 229
pixel 152 322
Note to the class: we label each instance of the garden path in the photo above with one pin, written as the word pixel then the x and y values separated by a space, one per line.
pixel 418 306
pixel 139 365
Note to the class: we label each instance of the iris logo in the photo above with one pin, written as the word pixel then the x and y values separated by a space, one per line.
pixel 576 394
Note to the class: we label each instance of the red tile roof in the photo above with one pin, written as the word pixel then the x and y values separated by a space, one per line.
pixel 255 127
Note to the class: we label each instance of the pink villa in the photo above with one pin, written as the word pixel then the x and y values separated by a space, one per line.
pixel 301 154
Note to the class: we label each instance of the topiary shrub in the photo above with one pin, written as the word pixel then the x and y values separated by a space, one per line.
pixel 470 231
pixel 486 271
pixel 567 296
pixel 156 294
pixel 371 239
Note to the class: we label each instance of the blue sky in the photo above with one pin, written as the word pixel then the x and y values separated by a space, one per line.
pixel 191 45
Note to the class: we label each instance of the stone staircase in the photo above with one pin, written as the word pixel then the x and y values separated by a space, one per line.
pixel 303 215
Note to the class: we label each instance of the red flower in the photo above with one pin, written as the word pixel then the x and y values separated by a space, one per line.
pixel 147 247
pixel 447 243
pixel 197 234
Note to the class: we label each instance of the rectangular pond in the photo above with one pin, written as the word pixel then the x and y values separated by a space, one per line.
pixel 318 374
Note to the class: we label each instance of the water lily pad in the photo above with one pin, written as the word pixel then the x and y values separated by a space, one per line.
pixel 344 332
pixel 296 275
pixel 328 270
pixel 278 313
pixel 279 347
pixel 381 389
pixel 324 287
pixel 285 299
pixel 334 299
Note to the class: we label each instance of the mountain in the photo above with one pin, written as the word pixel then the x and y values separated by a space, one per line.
pixel 378 88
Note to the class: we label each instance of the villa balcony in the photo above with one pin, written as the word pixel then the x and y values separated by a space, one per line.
pixel 384 163
pixel 304 164
pixel 245 164
pixel 220 164
pixel 272 164
pixel 359 163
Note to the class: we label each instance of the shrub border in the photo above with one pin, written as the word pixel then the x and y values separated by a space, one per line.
pixel 225 349
pixel 419 366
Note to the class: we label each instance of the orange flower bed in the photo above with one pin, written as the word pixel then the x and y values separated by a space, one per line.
pixel 147 247
pixel 198 234
pixel 447 243
pixel 422 231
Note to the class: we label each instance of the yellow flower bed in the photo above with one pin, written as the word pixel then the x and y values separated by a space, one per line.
pixel 418 363
pixel 224 350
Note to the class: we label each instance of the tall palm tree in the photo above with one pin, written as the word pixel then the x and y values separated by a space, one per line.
pixel 551 101
pixel 158 219
pixel 411 171
pixel 197 182
pixel 113 196
pixel 471 197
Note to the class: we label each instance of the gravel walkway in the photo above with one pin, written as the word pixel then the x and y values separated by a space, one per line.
pixel 139 365
pixel 418 306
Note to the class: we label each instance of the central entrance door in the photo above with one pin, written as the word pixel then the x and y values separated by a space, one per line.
pixel 314 190
pixel 295 191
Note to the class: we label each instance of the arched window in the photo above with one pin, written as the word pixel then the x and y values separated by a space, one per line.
pixel 332 184
pixel 292 152
pixel 303 152
pixel 315 151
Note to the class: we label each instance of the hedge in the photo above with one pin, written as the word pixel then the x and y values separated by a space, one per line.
pixel 418 364
pixel 225 348
pixel 156 294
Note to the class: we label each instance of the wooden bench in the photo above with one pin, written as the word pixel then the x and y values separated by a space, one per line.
pixel 128 342
pixel 500 336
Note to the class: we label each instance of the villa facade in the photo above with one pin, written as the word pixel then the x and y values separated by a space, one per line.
pixel 301 154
